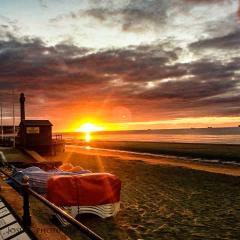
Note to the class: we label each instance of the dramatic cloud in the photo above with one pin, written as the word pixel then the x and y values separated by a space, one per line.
pixel 132 76
pixel 160 59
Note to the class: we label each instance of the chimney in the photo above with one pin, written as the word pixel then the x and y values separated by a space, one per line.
pixel 22 106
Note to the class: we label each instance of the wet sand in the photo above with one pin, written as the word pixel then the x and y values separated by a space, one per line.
pixel 151 159
pixel 164 198
pixel 208 151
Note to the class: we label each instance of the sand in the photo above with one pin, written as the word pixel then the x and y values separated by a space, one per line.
pixel 161 201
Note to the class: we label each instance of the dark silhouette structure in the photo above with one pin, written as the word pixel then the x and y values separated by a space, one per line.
pixel 22 106
pixel 34 134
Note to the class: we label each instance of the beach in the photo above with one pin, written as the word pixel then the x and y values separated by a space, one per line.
pixel 161 199
pixel 145 90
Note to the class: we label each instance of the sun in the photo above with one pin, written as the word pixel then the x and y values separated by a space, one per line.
pixel 87 128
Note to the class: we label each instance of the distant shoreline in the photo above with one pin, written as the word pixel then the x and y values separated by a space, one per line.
pixel 204 151
pixel 207 130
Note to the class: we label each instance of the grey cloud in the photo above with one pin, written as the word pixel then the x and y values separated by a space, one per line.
pixel 191 90
pixel 208 1
pixel 135 16
pixel 8 27
pixel 229 41
pixel 43 4
pixel 131 66
pixel 220 28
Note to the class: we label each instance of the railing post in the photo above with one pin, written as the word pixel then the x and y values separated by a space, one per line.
pixel 26 207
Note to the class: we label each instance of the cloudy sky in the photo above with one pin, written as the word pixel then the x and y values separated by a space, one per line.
pixel 130 64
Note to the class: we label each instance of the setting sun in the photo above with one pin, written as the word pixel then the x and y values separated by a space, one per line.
pixel 87 128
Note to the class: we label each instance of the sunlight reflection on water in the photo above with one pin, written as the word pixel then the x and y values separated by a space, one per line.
pixel 184 138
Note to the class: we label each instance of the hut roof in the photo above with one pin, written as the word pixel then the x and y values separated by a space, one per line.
pixel 36 123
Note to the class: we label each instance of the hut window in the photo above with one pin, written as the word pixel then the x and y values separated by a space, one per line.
pixel 33 130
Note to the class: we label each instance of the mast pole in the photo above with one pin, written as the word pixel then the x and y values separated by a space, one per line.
pixel 1 124
pixel 13 120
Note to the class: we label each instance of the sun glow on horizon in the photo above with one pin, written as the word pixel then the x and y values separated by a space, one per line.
pixel 87 128
pixel 94 125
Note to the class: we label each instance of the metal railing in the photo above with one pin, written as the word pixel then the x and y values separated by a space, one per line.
pixel 6 141
pixel 26 218
pixel 57 137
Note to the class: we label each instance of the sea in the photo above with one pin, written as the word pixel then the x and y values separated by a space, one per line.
pixel 226 135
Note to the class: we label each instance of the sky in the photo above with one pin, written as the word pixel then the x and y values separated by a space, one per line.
pixel 129 64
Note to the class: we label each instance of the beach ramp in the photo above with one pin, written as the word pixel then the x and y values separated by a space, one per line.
pixel 3 159
pixel 35 155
